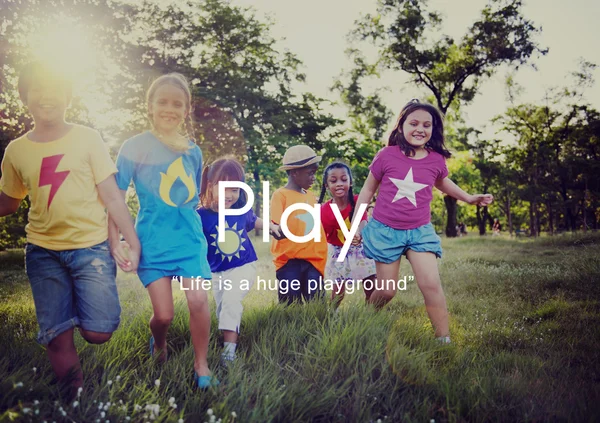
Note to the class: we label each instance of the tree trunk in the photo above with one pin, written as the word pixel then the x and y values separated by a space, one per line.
pixel 451 208
pixel 508 213
pixel 532 229
pixel 550 217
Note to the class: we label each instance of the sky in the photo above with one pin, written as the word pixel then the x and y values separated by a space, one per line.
pixel 316 31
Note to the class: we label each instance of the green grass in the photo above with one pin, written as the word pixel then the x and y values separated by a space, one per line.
pixel 524 319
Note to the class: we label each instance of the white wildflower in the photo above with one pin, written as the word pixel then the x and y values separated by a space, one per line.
pixel 79 391
pixel 19 385
pixel 26 410
pixel 157 382
pixel 64 413
pixel 34 369
pixel 213 419
pixel 75 404
pixel 109 382
pixel 103 414
pixel 118 378
pixel 233 414
pixel 209 412
pixel 171 400
pixel 36 402
pixel 180 421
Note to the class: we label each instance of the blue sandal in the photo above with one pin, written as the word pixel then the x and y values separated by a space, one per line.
pixel 151 346
pixel 205 382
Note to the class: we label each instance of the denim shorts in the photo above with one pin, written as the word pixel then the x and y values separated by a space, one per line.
pixel 386 245
pixel 73 288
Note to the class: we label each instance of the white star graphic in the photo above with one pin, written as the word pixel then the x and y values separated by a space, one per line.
pixel 407 188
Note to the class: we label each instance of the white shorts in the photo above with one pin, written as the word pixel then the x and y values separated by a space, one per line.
pixel 229 295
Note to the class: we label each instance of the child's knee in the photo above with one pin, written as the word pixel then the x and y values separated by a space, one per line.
pixel 197 302
pixel 95 337
pixel 162 319
pixel 387 294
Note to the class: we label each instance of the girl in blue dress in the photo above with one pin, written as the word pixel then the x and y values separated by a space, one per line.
pixel 166 168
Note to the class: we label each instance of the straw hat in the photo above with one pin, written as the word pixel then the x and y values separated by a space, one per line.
pixel 299 156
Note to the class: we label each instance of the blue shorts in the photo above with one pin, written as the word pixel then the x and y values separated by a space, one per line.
pixel 304 272
pixel 73 288
pixel 386 245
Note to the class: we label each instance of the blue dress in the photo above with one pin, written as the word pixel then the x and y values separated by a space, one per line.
pixel 169 228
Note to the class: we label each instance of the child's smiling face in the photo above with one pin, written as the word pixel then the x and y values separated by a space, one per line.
pixel 232 195
pixel 47 101
pixel 417 128
pixel 169 108
pixel 338 182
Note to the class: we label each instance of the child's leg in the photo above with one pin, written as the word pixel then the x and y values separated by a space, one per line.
pixel 338 293
pixel 369 287
pixel 425 267
pixel 64 360
pixel 289 272
pixel 52 289
pixel 311 281
pixel 94 272
pixel 230 314
pixel 385 272
pixel 161 296
pixel 197 300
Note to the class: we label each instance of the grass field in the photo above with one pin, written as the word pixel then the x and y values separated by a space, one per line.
pixel 525 319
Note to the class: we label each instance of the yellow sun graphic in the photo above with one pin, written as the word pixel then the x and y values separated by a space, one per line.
pixel 233 243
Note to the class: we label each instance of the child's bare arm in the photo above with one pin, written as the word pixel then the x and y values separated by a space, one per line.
pixel 8 205
pixel 450 188
pixel 258 224
pixel 118 213
pixel 366 195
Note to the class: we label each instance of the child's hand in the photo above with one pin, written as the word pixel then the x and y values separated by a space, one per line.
pixel 357 240
pixel 275 231
pixel 126 258
pixel 481 199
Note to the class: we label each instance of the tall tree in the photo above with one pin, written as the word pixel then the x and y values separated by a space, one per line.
pixel 405 33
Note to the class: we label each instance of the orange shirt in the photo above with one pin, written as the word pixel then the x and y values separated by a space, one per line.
pixel 300 223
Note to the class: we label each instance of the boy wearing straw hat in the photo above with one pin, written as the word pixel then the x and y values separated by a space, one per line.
pixel 297 264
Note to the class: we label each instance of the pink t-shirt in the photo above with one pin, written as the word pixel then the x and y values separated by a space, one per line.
pixel 406 187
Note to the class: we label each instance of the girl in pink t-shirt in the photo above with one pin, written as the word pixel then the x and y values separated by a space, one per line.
pixel 405 172
pixel 337 179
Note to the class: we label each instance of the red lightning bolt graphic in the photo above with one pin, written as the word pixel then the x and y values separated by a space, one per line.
pixel 49 175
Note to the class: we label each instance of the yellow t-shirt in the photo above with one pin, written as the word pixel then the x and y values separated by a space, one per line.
pixel 60 177
pixel 300 223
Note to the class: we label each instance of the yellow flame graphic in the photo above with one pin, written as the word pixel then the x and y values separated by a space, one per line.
pixel 176 170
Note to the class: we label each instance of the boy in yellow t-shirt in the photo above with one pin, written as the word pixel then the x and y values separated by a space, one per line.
pixel 69 176
pixel 299 266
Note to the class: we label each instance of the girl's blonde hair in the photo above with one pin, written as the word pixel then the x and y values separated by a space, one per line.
pixel 179 81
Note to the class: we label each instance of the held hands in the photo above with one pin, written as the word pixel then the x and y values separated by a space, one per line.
pixel 275 231
pixel 481 199
pixel 127 258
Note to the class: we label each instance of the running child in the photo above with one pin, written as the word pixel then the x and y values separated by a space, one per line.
pixel 405 172
pixel 303 262
pixel 165 165
pixel 356 268
pixel 69 176
pixel 232 262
